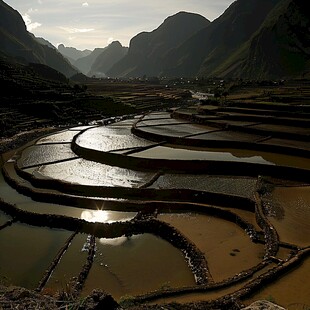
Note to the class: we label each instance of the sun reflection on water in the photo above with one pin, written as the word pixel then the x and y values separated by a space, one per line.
pixel 101 216
pixel 104 216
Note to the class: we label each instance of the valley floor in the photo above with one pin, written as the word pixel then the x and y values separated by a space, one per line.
pixel 238 161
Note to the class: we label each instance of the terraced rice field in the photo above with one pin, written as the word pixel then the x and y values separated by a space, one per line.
pixel 158 208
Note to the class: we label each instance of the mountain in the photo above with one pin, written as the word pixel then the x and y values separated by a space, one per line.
pixel 84 64
pixel 206 50
pixel 16 41
pixel 148 49
pixel 109 56
pixel 255 39
pixel 281 47
pixel 43 41
pixel 71 53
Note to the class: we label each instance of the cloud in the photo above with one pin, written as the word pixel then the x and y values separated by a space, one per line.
pixel 110 40
pixel 29 24
pixel 33 26
pixel 85 4
pixel 76 30
pixel 31 10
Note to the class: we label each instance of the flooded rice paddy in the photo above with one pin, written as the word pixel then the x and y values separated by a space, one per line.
pixel 238 186
pixel 244 156
pixel 106 139
pixel 186 154
pixel 289 212
pixel 141 229
pixel 226 247
pixel 137 265
pixel 80 171
pixel 26 253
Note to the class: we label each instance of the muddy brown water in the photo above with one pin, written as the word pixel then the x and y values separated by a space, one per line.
pixel 290 214
pixel 137 265
pixel 291 291
pixel 26 253
pixel 4 218
pixel 69 266
pixel 245 215
pixel 226 247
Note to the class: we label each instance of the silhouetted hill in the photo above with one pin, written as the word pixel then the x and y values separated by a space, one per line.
pixel 17 42
pixel 43 41
pixel 205 51
pixel 148 49
pixel 281 48
pixel 256 39
pixel 110 56
pixel 71 53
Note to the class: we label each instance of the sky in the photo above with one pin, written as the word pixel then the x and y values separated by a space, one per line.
pixel 87 24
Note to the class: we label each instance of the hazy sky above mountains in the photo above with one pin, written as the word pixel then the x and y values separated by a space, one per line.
pixel 96 23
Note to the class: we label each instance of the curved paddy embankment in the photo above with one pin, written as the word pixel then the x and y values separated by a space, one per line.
pixel 199 212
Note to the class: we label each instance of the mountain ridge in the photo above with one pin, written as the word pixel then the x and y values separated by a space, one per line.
pixel 16 41
pixel 113 53
pixel 226 47
pixel 72 53
pixel 286 33
pixel 210 46
pixel 147 49
pixel 254 39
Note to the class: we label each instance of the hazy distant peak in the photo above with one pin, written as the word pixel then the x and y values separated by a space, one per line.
pixel 72 53
pixel 61 46
pixel 115 44
pixel 110 55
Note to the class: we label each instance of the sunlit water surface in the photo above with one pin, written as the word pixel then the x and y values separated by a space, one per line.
pixel 106 139
pixel 85 172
